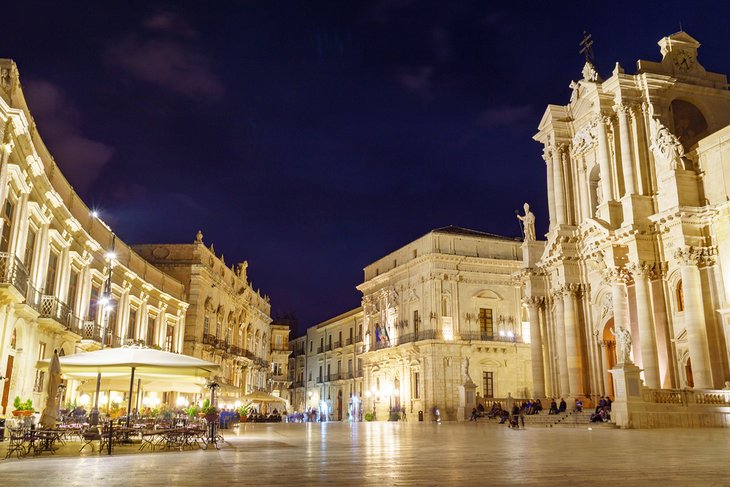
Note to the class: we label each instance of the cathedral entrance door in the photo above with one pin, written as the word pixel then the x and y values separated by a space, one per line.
pixel 608 346
pixel 339 405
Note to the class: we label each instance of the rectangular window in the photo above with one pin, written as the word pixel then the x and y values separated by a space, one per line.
pixel 132 323
pixel 310 348
pixel 416 385
pixel 150 330
pixel 73 286
pixel 349 366
pixel 319 377
pixel 40 375
pixel 488 384
pixel 111 323
pixel 29 250
pixel 7 217
pixel 51 271
pixel 93 300
pixel 168 338
pixel 416 321
pixel 486 322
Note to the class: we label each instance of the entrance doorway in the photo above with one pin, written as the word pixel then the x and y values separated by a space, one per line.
pixel 6 386
pixel 609 347
pixel 688 373
pixel 339 405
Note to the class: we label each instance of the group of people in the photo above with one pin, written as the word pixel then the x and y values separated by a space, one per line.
pixel 557 409
pixel 602 413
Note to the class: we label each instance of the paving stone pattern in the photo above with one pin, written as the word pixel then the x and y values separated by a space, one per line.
pixel 401 454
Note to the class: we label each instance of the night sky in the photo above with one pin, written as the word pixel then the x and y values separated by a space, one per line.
pixel 312 138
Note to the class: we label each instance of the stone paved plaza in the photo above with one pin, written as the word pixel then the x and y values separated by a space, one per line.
pixel 404 454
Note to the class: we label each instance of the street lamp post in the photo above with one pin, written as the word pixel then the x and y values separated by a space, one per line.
pixel 105 303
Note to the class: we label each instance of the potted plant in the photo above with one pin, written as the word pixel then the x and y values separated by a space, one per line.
pixel 22 408
pixel 192 411
pixel 243 412
pixel 210 411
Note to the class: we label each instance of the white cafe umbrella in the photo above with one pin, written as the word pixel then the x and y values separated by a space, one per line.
pixel 260 396
pixel 50 412
pixel 146 363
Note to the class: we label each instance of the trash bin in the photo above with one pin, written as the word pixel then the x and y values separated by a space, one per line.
pixel 420 415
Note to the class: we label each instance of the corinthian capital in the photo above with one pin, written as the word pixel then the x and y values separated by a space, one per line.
pixel 615 275
pixel 621 108
pixel 533 301
pixel 696 256
pixel 640 270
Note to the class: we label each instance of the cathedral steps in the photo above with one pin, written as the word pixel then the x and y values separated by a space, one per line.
pixel 569 419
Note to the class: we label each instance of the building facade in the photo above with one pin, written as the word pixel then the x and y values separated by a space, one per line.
pixel 441 312
pixel 638 172
pixel 57 259
pixel 228 321
pixel 326 368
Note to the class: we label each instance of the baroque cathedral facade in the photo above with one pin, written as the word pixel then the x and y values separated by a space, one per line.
pixel 638 173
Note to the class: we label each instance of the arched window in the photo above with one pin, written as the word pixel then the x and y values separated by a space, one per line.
pixel 680 296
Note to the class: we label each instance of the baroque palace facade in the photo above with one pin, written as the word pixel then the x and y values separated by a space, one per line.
pixel 228 322
pixel 638 171
pixel 440 313
pixel 56 265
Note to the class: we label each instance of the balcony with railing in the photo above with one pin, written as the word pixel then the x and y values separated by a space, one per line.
pixel 54 309
pixel 348 342
pixel 490 337
pixel 358 338
pixel 90 330
pixel 336 345
pixel 320 349
pixel 13 277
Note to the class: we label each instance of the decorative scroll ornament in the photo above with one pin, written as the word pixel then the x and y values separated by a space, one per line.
pixel 584 139
pixel 665 146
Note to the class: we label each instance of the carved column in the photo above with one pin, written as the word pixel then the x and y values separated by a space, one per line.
pixel 604 159
pixel 572 348
pixel 547 156
pixel 645 319
pixel 694 316
pixel 558 184
pixel 538 368
pixel 627 160
pixel 560 342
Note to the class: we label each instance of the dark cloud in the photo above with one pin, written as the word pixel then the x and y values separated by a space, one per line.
pixel 507 116
pixel 171 23
pixel 417 79
pixel 161 55
pixel 59 123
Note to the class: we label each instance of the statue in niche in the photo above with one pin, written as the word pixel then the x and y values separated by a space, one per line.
pixel 528 222
pixel 623 345
pixel 665 146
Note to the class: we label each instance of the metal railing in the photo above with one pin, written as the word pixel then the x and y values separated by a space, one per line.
pixel 320 349
pixel 358 338
pixel 489 337
pixel 348 341
pixel 90 330
pixel 336 345
pixel 13 272
pixel 54 308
